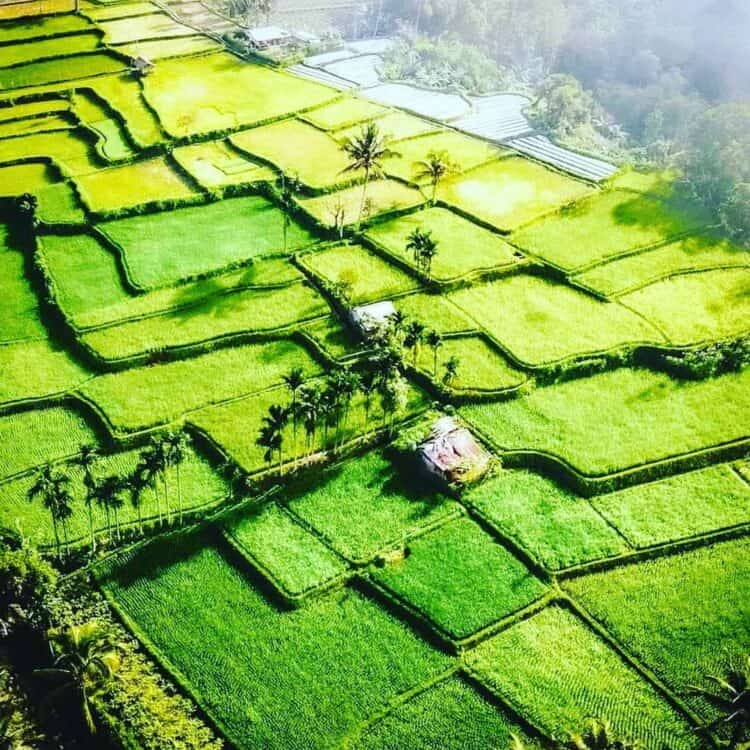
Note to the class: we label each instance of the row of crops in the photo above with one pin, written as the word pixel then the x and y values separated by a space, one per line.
pixel 196 237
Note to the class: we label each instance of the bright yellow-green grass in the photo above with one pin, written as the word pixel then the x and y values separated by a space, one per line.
pixel 366 276
pixel 34 125
pixel 620 419
pixel 36 369
pixel 393 126
pixel 36 27
pixel 66 148
pixel 698 253
pixel 255 311
pixel 697 307
pixel 42 49
pixel 481 367
pixel 511 192
pixel 685 616
pixel 680 506
pixel 215 165
pixel 59 71
pixel 336 340
pixel 344 113
pixel 462 580
pixel 381 196
pixel 558 674
pixel 556 527
pixel 607 224
pixel 296 561
pixel 132 185
pixel 113 144
pixel 644 182
pixel 58 204
pixel 119 10
pixel 463 247
pixel 33 109
pixel 216 92
pixel 165 248
pixel 177 47
pixel 435 312
pixel 461 151
pixel 542 321
pixel 299 150
pixel 146 397
pixel 23 178
pixel 152 26
pixel 32 438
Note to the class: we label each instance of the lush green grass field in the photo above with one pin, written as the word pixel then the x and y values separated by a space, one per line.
pixel 295 560
pixel 270 678
pixel 557 527
pixel 34 125
pixel 542 321
pixel 365 506
pixel 367 276
pixel 681 506
pixel 58 204
pixel 119 10
pixel 511 192
pixel 201 487
pixel 151 26
pixel 56 71
pixel 43 49
pixel 222 315
pixel 436 312
pixel 32 438
pixel 700 252
pixel 34 27
pixel 463 247
pixel 215 165
pixel 684 616
pixel 113 144
pixel 33 109
pixel 610 422
pixel 451 716
pixel 299 150
pixel 697 307
pixel 133 185
pixel 70 152
pixel 213 104
pixel 177 46
pixel 394 126
pixel 344 113
pixel 382 196
pixel 146 397
pixel 606 224
pixel 558 673
pixel 461 579
pixel 165 248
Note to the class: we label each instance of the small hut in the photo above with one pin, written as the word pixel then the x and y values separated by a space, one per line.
pixel 452 454
pixel 266 37
pixel 370 319
pixel 141 65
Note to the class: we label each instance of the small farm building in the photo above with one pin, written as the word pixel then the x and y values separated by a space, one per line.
pixel 265 37
pixel 369 319
pixel 141 65
pixel 452 454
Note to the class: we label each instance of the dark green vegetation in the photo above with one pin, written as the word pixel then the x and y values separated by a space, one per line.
pixel 188 413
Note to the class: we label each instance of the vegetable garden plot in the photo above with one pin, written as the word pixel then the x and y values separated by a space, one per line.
pixel 696 307
pixel 133 185
pixel 215 165
pixel 32 438
pixel 36 369
pixel 541 321
pixel 463 247
pixel 227 426
pixel 558 673
pixel 67 149
pixel 201 487
pixel 460 579
pixel 250 311
pixel 697 253
pixel 366 276
pixel 556 527
pixel 206 621
pixel 511 192
pixel 608 224
pixel 393 127
pixel 216 92
pixel 165 248
pixel 145 397
pixel 365 506
pixel 151 26
pixel 295 560
pixel 344 113
pixel 681 506
pixel 382 196
pixel 684 616
pixel 451 716
pixel 43 49
pixel 622 419
pixel 59 71
pixel 299 150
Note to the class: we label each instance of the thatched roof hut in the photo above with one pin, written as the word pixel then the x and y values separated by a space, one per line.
pixel 452 454
pixel 370 319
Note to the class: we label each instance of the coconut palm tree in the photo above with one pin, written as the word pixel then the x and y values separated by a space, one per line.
pixel 413 337
pixel 176 445
pixel 294 380
pixel 451 371
pixel 150 464
pixel 435 167
pixel 85 660
pixel 351 383
pixel 52 489
pixel 730 696
pixel 434 341
pixel 368 385
pixel 108 496
pixel 366 152
pixel 427 253
pixel 597 735
pixel 309 401
pixel 415 243
pixel 272 432
pixel 135 484
pixel 85 460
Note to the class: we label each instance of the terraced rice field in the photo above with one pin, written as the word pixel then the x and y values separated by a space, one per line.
pixel 197 248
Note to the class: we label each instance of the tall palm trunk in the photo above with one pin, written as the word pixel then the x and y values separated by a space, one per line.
pixel 179 493
pixel 57 535
pixel 168 510
pixel 155 487
pixel 363 201
pixel 91 525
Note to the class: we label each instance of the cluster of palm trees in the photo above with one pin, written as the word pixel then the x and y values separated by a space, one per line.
pixel 423 248
pixel 597 735
pixel 52 488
